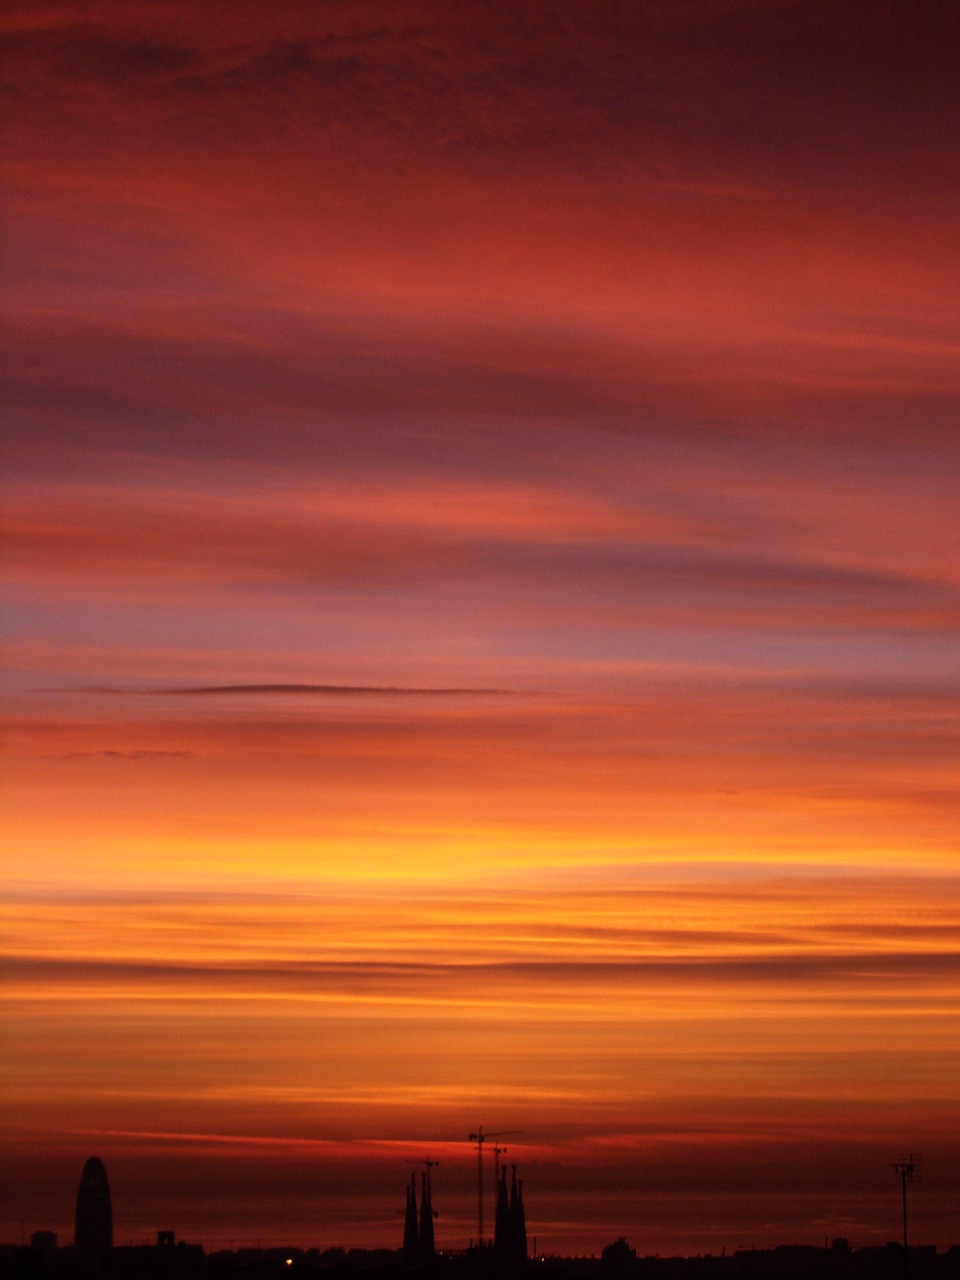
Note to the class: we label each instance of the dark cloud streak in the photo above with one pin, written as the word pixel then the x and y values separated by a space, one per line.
pixel 879 968
pixel 335 690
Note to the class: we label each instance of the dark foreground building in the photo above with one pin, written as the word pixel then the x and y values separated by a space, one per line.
pixel 178 1261
pixel 510 1238
pixel 419 1247
pixel 93 1232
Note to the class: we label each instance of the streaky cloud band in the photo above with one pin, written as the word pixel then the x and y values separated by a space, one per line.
pixel 336 690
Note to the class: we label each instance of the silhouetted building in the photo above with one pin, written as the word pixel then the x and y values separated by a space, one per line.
pixel 428 1251
pixel 510 1235
pixel 501 1232
pixel 411 1230
pixel 518 1219
pixel 618 1261
pixel 93 1234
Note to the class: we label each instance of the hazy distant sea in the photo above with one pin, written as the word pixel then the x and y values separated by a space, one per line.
pixel 565 1223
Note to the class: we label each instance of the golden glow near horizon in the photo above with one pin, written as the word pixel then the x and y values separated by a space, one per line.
pixel 481 588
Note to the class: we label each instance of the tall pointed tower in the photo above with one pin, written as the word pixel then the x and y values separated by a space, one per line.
pixel 517 1220
pixel 428 1250
pixel 520 1226
pixel 93 1233
pixel 501 1234
pixel 411 1231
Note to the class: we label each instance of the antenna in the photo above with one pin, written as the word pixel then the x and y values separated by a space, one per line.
pixel 906 1168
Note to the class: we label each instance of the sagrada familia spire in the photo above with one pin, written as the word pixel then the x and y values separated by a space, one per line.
pixel 411 1231
pixel 427 1247
pixel 510 1232
pixel 509 1253
pixel 418 1241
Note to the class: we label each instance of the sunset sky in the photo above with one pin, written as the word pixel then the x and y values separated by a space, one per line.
pixel 481 595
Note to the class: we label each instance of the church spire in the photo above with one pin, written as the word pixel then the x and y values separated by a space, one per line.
pixel 411 1234
pixel 427 1247
pixel 501 1235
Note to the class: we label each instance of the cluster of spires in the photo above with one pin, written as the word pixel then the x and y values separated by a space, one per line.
pixel 418 1242
pixel 510 1230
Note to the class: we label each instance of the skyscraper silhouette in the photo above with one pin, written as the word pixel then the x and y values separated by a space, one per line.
pixel 93 1232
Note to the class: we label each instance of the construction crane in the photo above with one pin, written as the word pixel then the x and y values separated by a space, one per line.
pixel 480 1138
pixel 428 1164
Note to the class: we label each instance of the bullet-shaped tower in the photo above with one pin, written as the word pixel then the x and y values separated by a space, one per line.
pixel 93 1234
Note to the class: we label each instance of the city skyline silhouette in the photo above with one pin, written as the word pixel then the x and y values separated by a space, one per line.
pixel 507 1249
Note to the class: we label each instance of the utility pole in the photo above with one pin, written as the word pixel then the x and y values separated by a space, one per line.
pixel 905 1169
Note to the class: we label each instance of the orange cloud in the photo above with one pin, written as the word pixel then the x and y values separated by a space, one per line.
pixel 365 358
